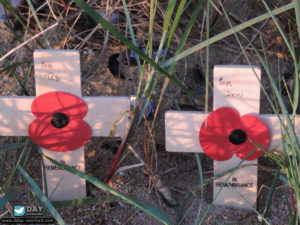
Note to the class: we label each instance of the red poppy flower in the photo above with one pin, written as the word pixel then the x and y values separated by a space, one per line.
pixel 225 133
pixel 59 124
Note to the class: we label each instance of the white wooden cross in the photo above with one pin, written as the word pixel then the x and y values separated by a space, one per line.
pixel 59 70
pixel 236 87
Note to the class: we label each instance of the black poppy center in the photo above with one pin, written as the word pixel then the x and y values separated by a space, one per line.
pixel 237 137
pixel 59 120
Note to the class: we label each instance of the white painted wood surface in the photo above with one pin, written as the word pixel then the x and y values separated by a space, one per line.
pixel 182 131
pixel 62 185
pixel 243 93
pixel 236 87
pixel 15 115
pixel 59 70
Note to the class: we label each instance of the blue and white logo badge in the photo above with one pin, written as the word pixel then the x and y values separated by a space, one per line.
pixel 19 210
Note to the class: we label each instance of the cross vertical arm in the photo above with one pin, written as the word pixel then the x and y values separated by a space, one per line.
pixel 57 70
pixel 236 87
pixel 60 71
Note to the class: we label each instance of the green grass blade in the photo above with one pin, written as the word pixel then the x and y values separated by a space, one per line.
pixel 200 171
pixel 296 85
pixel 279 29
pixel 13 172
pixel 45 185
pixel 189 26
pixel 227 179
pixel 291 166
pixel 231 8
pixel 297 11
pixel 144 206
pixel 131 33
pixel 226 34
pixel 13 65
pixel 207 56
pixel 251 207
pixel 179 49
pixel 7 197
pixel 85 201
pixel 295 100
pixel 289 208
pixel 168 15
pixel 11 28
pixel 293 138
pixel 7 4
pixel 187 32
pixel 130 45
pixel 294 220
pixel 153 9
pixel 11 146
pixel 28 73
pixel 200 182
pixel 194 189
pixel 38 22
pixel 269 198
pixel 206 98
pixel 151 82
pixel 2 165
pixel 42 196
pixel 175 22
pixel 15 76
pixel 273 84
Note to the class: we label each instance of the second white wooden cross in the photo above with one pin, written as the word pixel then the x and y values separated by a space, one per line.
pixel 59 119
pixel 236 93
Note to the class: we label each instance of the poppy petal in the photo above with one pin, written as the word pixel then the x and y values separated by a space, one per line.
pixel 258 133
pixel 68 138
pixel 215 131
pixel 47 104
pixel 72 135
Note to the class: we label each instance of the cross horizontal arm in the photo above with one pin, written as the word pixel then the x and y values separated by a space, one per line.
pixel 273 125
pixel 103 112
pixel 15 115
pixel 182 130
